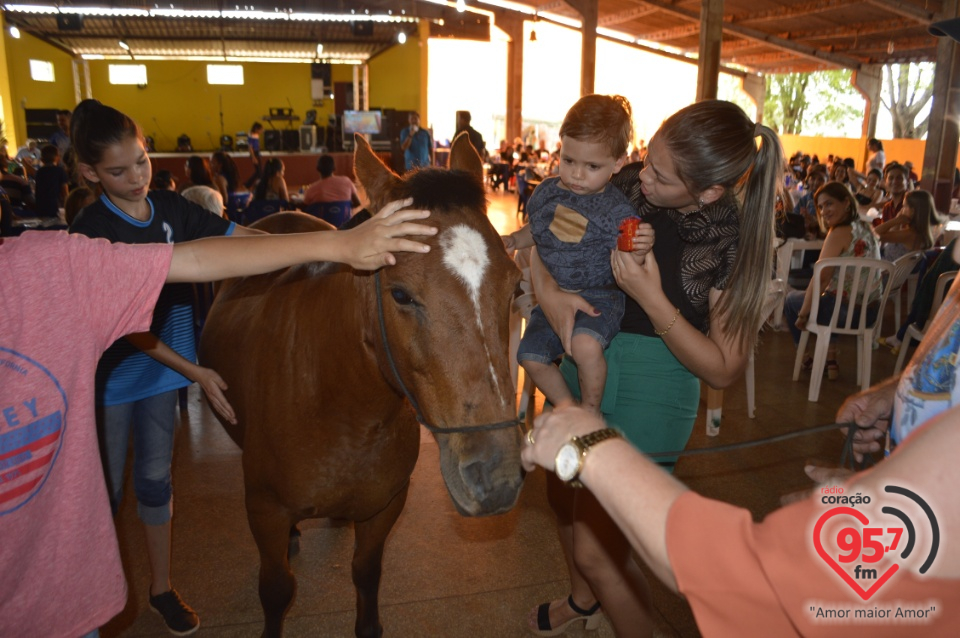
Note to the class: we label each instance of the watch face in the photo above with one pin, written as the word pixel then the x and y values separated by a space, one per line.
pixel 567 462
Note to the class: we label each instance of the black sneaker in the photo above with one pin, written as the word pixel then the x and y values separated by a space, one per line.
pixel 177 615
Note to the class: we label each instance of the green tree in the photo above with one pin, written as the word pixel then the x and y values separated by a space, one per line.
pixel 907 91
pixel 817 103
pixel 786 101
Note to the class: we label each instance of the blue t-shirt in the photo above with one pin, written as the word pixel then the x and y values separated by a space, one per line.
pixel 418 153
pixel 575 233
pixel 125 374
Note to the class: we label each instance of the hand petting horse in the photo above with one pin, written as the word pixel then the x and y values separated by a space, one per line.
pixel 329 369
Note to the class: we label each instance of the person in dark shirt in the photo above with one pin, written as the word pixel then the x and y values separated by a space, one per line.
pixel 52 183
pixel 463 124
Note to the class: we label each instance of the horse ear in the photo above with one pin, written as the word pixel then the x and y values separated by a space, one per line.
pixel 378 180
pixel 464 157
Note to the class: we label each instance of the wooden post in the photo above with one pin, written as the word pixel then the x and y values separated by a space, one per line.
pixel 711 36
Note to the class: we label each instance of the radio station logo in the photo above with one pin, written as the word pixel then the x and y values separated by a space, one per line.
pixel 866 553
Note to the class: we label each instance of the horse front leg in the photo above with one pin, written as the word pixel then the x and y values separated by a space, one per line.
pixel 371 535
pixel 270 523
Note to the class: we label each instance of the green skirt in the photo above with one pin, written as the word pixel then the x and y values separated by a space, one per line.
pixel 649 395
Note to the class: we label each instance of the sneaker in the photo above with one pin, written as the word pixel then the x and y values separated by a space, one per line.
pixel 177 615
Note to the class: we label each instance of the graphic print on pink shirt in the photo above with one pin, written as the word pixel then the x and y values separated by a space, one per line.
pixel 31 429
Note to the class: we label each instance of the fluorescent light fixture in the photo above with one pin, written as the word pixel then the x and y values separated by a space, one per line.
pixel 256 15
pixel 402 37
pixel 14 32
pixel 123 45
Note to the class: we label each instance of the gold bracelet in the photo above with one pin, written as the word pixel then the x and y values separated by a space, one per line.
pixel 660 333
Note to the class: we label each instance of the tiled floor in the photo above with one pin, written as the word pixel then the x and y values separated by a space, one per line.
pixel 444 575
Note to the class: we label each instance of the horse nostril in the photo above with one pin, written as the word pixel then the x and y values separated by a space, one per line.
pixel 477 477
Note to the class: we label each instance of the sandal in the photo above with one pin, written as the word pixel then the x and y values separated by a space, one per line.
pixel 833 369
pixel 590 618
pixel 807 364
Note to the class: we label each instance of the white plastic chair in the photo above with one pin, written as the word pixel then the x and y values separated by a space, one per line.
pixel 784 258
pixel 902 269
pixel 943 285
pixel 866 277
pixel 773 301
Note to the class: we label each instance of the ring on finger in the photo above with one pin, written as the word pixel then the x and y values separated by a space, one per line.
pixel 530 437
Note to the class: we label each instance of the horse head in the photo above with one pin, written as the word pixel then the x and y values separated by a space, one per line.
pixel 442 332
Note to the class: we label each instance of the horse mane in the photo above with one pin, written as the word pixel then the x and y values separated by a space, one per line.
pixel 440 190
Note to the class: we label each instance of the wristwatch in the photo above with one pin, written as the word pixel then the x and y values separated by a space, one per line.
pixel 570 457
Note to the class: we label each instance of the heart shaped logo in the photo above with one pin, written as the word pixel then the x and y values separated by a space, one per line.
pixel 829 560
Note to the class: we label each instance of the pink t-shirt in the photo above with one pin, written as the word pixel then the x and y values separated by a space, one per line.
pixel 335 188
pixel 63 300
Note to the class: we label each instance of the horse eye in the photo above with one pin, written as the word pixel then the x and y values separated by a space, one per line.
pixel 401 297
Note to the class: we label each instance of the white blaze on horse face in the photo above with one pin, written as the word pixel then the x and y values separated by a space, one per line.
pixel 465 254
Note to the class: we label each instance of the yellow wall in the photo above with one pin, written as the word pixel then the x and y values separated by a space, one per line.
pixel 395 77
pixel 6 100
pixel 26 92
pixel 177 99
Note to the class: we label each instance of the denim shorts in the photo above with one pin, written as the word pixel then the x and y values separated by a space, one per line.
pixel 540 343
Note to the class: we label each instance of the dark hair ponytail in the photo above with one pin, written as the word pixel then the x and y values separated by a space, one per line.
pixel 94 127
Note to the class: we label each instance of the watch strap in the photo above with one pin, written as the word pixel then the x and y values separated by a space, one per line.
pixel 584 443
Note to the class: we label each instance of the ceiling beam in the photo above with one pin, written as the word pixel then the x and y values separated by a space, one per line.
pixel 790 12
pixel 625 16
pixel 851 31
pixel 796 48
pixel 906 9
pixel 670 34
pixel 913 44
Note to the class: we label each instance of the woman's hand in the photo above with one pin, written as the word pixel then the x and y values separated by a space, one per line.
pixel 371 244
pixel 559 307
pixel 551 430
pixel 643 240
pixel 638 276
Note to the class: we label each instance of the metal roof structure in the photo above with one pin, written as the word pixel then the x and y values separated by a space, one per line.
pixel 760 36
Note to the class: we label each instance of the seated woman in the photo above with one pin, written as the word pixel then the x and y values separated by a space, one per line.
pixel 872 193
pixel 226 176
pixel 197 172
pixel 923 300
pixel 846 236
pixel 913 228
pixel 330 187
pixel 271 195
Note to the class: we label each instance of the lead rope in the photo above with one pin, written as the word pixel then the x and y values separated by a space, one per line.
pixel 846 454
pixel 403 387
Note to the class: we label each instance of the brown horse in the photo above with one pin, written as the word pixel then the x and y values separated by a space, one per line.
pixel 320 358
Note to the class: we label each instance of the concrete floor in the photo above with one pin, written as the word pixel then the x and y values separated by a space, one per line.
pixel 445 575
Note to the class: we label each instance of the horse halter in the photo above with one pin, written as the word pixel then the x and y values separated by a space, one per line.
pixel 413 402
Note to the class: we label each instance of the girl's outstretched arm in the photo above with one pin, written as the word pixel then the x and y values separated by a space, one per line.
pixel 366 247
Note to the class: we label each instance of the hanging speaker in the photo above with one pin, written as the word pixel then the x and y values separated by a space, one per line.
pixel 69 21
pixel 363 28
